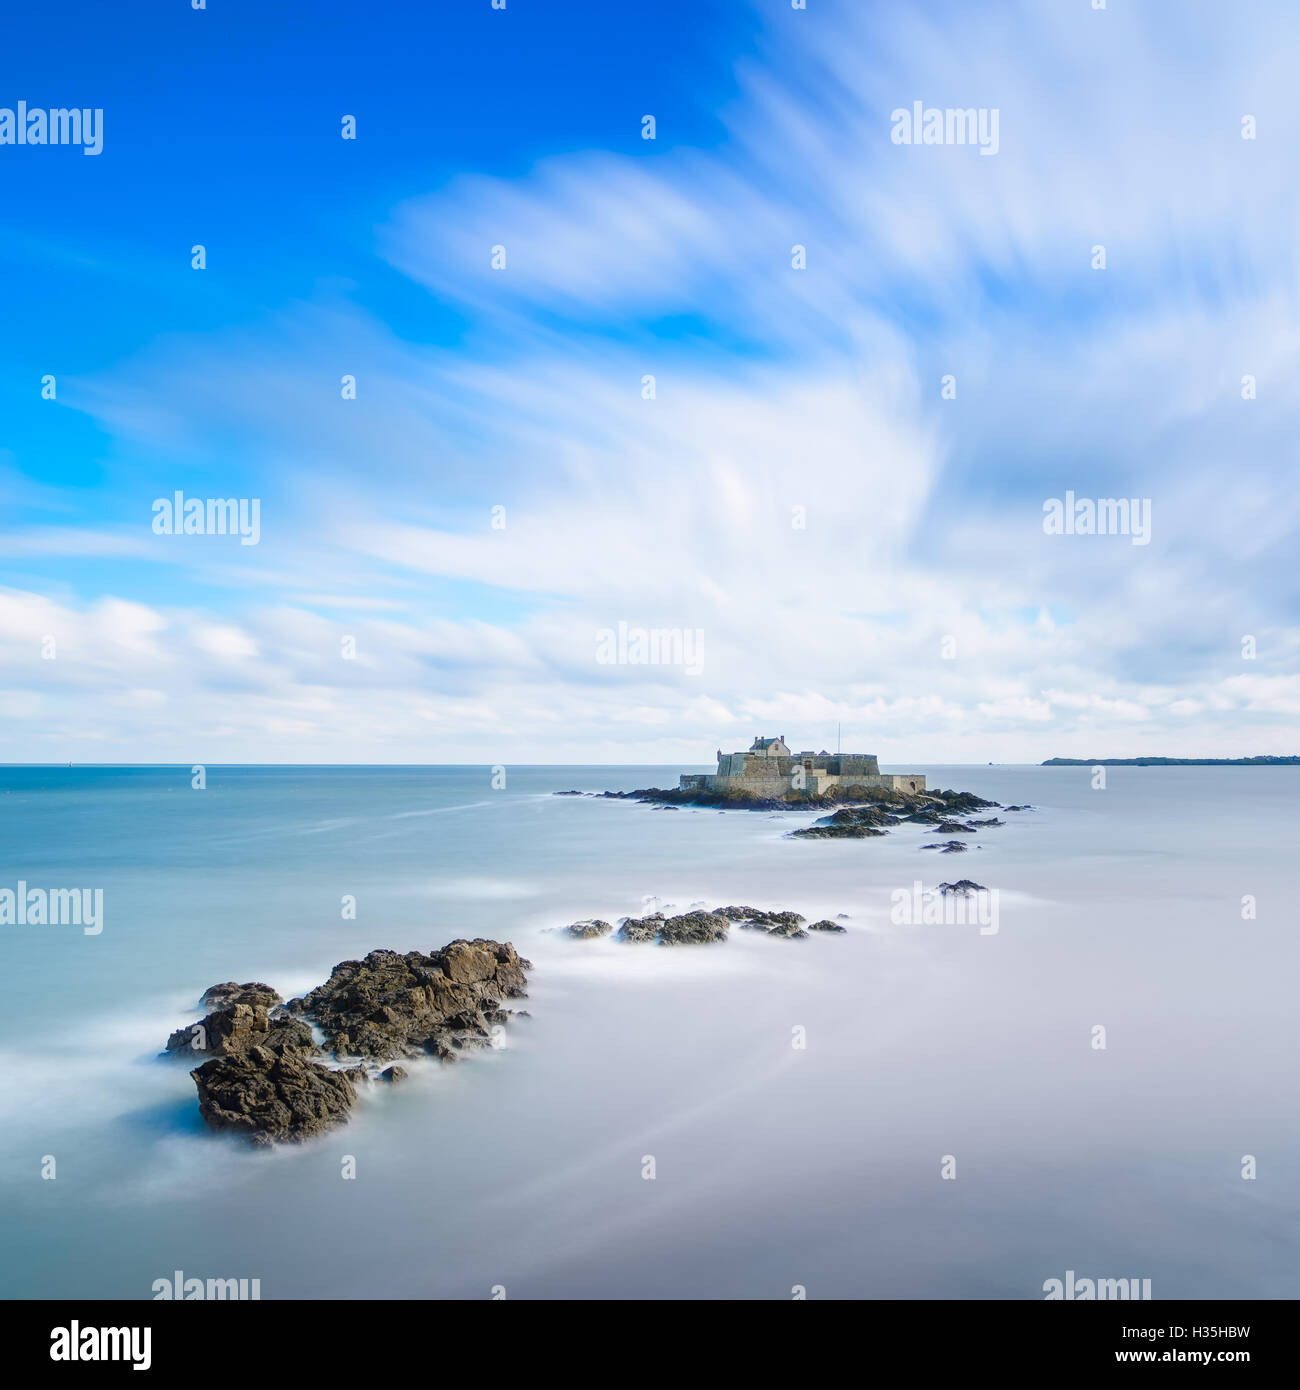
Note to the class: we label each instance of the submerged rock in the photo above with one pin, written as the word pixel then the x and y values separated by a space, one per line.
pixel 640 928
pixel 589 928
pixel 788 924
pixel 964 886
pixel 852 823
pixel 687 929
pixel 826 925
pixel 692 928
pixel 960 802
pixel 949 847
pixel 699 927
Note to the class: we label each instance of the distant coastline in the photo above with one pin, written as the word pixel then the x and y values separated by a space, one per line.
pixel 1172 762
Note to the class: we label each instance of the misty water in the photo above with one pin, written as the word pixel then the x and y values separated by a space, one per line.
pixel 775 1165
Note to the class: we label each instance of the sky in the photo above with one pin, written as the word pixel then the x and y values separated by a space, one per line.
pixel 777 386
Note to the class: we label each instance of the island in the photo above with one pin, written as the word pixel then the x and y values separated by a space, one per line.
pixel 862 801
pixel 1173 762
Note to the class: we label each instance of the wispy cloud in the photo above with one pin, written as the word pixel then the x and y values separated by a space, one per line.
pixel 853 545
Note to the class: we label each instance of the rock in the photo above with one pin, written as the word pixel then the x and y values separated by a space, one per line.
pixel 638 931
pixel 229 1032
pixel 787 924
pixel 263 1080
pixel 992 820
pixel 268 1095
pixel 1017 808
pixel 224 996
pixel 389 1006
pixel 900 801
pixel 589 928
pixel 769 920
pixel 693 928
pixel 964 886
pixel 699 927
pixel 687 929
pixel 949 847
pixel 963 801
pixel 852 823
pixel 826 925
pixel 952 827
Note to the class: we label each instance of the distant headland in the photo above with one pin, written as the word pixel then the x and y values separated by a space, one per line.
pixel 1172 762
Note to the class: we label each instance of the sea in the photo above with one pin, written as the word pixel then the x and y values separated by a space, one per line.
pixel 1099 1076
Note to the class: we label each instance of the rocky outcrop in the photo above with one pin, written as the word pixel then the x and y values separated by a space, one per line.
pixel 687 929
pixel 964 886
pixel 949 847
pixel 852 823
pixel 641 929
pixel 787 924
pixel 267 1080
pixel 254 993
pixel 270 1096
pixel 231 1031
pixel 588 929
pixel 390 1006
pixel 826 925
pixel 700 927
pixel 911 803
pixel 693 928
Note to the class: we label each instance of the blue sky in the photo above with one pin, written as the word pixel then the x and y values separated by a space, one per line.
pixel 916 600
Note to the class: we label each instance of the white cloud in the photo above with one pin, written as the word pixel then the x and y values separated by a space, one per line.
pixel 809 396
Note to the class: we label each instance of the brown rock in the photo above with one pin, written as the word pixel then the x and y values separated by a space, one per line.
pixel 266 1095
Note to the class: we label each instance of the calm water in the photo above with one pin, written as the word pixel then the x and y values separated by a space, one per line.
pixel 774 1166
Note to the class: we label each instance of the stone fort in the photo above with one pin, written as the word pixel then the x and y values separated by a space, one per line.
pixel 769 768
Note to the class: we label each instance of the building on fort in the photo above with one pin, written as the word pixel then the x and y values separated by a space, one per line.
pixel 769 768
